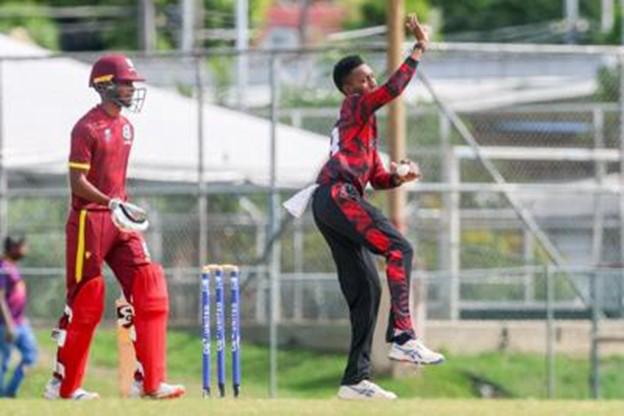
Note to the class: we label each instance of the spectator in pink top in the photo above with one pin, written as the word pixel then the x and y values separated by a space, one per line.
pixel 15 331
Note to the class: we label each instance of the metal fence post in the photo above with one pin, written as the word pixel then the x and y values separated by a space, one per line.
pixel 528 249
pixel 274 222
pixel 620 59
pixel 202 198
pixel 446 149
pixel 455 238
pixel 599 175
pixel 298 254
pixel 594 358
pixel 242 44
pixel 550 339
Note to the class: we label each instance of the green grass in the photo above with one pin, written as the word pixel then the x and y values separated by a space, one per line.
pixel 330 407
pixel 311 375
pixel 308 383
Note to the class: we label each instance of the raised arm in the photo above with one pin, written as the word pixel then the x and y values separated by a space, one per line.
pixel 371 102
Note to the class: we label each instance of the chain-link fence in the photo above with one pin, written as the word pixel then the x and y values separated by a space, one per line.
pixel 542 186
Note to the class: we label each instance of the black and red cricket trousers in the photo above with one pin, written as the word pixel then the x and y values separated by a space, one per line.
pixel 354 229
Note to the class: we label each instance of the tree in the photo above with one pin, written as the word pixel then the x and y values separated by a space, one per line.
pixel 366 13
pixel 42 30
pixel 487 15
pixel 483 15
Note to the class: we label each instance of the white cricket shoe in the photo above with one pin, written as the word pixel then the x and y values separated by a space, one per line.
pixel 364 390
pixel 53 392
pixel 165 391
pixel 414 351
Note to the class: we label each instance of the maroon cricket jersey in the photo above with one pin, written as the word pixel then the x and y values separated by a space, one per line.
pixel 354 157
pixel 100 145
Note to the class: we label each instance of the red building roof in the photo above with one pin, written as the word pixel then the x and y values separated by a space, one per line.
pixel 322 16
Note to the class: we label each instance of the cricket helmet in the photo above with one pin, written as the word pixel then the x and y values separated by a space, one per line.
pixel 111 70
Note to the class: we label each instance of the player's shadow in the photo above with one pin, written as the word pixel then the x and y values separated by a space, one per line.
pixel 486 388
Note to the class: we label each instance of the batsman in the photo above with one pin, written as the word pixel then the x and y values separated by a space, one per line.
pixel 103 227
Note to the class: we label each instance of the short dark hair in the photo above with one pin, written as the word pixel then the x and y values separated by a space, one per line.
pixel 13 242
pixel 344 67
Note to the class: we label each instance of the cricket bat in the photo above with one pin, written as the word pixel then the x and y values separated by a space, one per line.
pixel 126 357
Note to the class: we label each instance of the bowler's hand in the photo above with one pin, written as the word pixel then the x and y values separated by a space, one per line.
pixel 420 32
pixel 413 174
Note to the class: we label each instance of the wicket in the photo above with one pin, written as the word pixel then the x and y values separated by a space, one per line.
pixel 217 273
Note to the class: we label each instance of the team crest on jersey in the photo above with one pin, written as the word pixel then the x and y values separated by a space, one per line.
pixel 126 133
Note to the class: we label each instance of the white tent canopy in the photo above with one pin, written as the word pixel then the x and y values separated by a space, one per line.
pixel 42 99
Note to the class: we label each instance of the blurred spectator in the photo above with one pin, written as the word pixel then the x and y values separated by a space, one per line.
pixel 15 331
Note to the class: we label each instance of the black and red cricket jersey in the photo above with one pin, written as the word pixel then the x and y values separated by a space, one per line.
pixel 354 157
pixel 100 145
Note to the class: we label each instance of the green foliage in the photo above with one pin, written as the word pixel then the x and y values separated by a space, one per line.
pixel 309 97
pixel 258 9
pixel 483 15
pixel 41 30
pixel 486 15
pixel 124 37
pixel 221 13
pixel 43 219
pixel 223 76
pixel 608 89
pixel 562 286
pixel 45 31
pixel 487 249
pixel 366 13
pixel 592 10
pixel 185 90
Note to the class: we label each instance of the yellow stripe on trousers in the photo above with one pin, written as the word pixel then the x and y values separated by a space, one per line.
pixel 80 251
